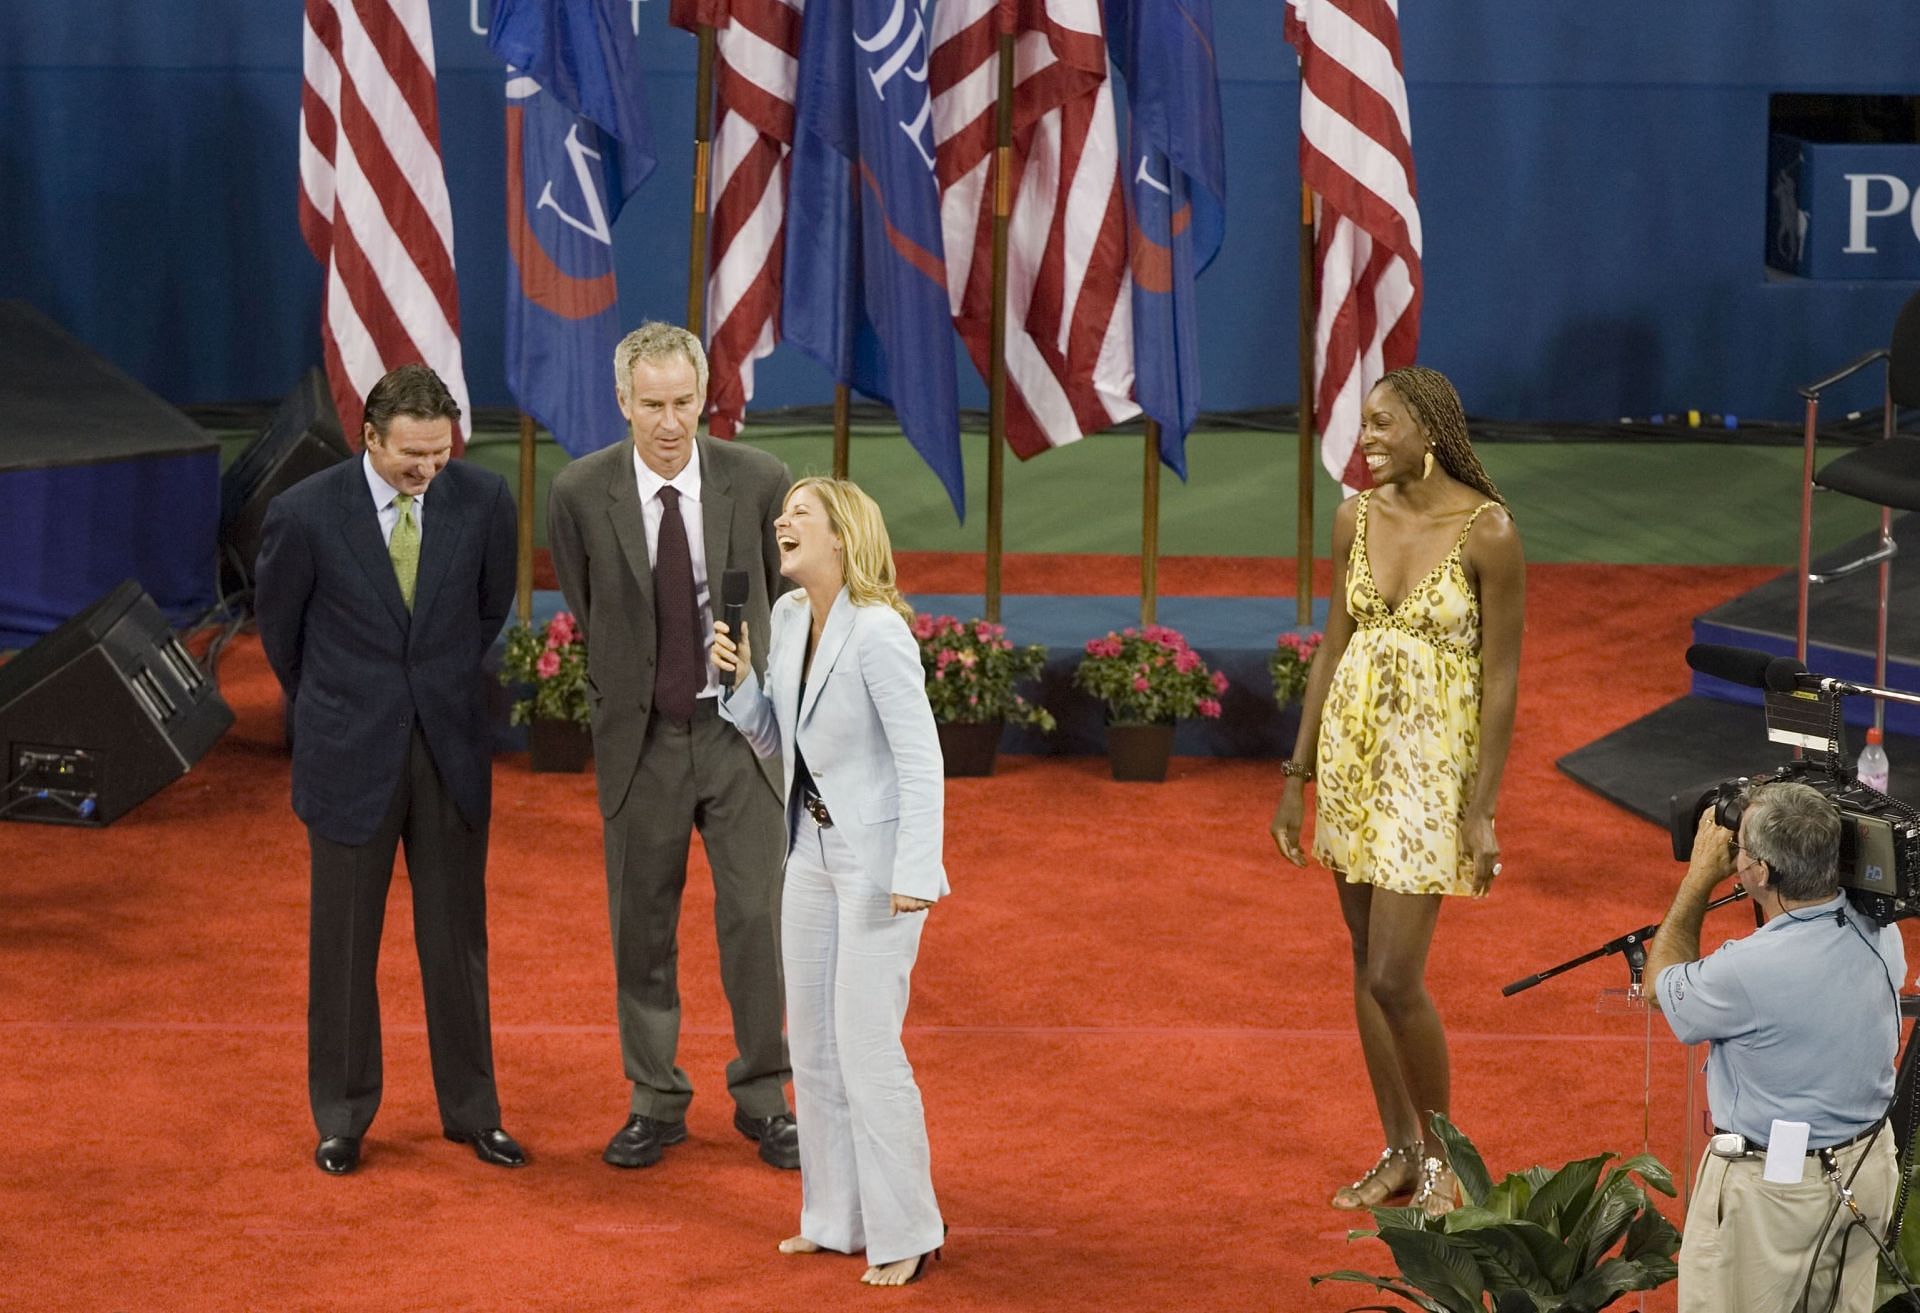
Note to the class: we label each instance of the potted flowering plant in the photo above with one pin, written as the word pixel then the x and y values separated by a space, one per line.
pixel 1292 664
pixel 971 669
pixel 1148 677
pixel 552 664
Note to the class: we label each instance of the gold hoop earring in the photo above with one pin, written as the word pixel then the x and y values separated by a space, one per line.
pixel 1426 465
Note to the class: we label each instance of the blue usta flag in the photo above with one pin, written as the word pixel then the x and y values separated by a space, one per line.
pixel 1176 192
pixel 866 291
pixel 578 145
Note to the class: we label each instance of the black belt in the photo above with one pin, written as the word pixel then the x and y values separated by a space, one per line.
pixel 1867 1134
pixel 814 806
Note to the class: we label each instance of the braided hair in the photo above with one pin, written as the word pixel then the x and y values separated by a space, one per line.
pixel 1438 408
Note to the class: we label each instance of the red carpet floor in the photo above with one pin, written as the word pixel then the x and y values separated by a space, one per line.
pixel 1130 1022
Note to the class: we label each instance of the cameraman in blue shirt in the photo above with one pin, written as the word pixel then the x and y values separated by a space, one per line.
pixel 1802 1023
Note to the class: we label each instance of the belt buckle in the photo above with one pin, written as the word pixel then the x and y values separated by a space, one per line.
pixel 817 808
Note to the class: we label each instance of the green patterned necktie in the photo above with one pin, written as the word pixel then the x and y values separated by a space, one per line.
pixel 404 547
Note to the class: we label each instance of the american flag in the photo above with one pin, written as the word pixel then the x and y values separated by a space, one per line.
pixel 757 44
pixel 373 198
pixel 1356 155
pixel 1070 318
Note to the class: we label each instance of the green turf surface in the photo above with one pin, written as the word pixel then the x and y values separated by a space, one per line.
pixel 1628 502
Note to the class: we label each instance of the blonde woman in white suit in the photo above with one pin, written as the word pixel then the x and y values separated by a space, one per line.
pixel 844 704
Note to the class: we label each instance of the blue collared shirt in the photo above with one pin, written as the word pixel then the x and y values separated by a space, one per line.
pixel 1802 1020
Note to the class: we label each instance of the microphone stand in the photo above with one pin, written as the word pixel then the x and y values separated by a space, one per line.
pixel 1632 946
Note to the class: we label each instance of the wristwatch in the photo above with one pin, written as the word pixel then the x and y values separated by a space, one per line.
pixel 1296 769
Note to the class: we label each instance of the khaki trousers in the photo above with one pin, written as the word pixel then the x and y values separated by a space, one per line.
pixel 1749 1242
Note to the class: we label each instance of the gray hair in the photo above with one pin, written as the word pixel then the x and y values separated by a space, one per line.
pixel 1796 832
pixel 656 342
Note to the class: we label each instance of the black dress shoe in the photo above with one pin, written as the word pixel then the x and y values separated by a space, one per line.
pixel 642 1141
pixel 338 1154
pixel 492 1145
pixel 779 1138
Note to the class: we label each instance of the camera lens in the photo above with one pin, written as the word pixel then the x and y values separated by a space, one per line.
pixel 1730 803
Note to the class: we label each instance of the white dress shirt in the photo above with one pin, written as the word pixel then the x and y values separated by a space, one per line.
pixel 383 502
pixel 687 483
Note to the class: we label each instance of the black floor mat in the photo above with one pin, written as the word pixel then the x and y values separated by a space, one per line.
pixel 1692 743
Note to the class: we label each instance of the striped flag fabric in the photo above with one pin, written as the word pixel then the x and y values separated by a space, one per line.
pixel 757 46
pixel 1356 154
pixel 866 290
pixel 579 145
pixel 1177 186
pixel 373 199
pixel 1069 340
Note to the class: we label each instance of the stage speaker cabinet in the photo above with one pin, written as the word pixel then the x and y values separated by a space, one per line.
pixel 102 714
pixel 302 438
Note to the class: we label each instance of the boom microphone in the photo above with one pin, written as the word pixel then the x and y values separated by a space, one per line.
pixel 1784 675
pixel 1752 669
pixel 1736 665
pixel 733 603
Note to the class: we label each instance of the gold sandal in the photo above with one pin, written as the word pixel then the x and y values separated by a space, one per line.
pixel 1439 1190
pixel 1373 1188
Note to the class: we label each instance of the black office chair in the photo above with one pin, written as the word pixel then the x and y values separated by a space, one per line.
pixel 1885 472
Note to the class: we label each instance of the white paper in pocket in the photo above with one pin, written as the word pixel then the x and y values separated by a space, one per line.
pixel 1786 1153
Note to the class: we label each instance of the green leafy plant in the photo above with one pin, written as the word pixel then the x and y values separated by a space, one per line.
pixel 1149 676
pixel 553 662
pixel 1569 1241
pixel 972 668
pixel 1292 664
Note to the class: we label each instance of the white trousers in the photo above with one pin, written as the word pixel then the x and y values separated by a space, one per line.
pixel 866 1178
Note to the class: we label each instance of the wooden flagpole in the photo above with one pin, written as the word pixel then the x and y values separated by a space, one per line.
pixel 997 375
pixel 1150 527
pixel 841 427
pixel 523 566
pixel 1304 476
pixel 702 164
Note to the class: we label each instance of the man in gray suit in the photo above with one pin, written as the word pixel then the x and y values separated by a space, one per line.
pixel 641 534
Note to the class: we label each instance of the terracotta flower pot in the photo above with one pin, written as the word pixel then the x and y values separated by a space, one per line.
pixel 1139 752
pixel 969 749
pixel 558 745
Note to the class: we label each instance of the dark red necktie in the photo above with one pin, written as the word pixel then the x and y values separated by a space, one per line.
pixel 676 616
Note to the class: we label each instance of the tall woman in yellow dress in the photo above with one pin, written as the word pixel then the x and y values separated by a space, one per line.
pixel 1406 723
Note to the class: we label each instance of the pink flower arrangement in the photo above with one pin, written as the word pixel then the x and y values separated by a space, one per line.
pixel 1149 675
pixel 551 665
pixel 1292 665
pixel 972 669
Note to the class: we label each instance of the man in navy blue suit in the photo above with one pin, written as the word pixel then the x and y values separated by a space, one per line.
pixel 381 583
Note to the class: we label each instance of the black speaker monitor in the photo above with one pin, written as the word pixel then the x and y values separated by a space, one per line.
pixel 101 714
pixel 302 438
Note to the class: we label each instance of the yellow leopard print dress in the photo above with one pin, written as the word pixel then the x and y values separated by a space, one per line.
pixel 1400 732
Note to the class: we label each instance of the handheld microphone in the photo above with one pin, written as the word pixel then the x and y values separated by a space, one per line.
pixel 733 603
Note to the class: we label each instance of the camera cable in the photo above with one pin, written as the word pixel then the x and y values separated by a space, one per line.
pixel 1843 1195
pixel 1843 1190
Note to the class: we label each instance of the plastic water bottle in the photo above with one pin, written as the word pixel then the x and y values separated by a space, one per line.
pixel 1871 769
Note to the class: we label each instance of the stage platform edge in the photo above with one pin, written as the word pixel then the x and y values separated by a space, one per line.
pixel 1841 622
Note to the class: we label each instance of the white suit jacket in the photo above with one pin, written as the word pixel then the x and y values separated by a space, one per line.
pixel 867 732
